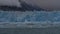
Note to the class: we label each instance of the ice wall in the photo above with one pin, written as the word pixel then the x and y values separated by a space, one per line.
pixel 29 19
pixel 36 16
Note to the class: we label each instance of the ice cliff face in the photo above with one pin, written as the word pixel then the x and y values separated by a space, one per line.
pixel 42 16
pixel 29 18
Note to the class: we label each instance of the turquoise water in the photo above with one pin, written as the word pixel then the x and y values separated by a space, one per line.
pixel 36 16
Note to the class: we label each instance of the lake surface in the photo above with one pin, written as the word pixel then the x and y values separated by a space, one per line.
pixel 51 30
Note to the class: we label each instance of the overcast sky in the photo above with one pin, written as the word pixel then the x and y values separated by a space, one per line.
pixel 10 2
pixel 48 4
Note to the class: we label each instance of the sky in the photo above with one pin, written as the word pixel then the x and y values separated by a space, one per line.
pixel 10 3
pixel 46 4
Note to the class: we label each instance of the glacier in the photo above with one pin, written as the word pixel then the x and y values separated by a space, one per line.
pixel 38 16
pixel 25 18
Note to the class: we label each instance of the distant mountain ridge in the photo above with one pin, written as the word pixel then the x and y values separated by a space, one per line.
pixel 25 7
